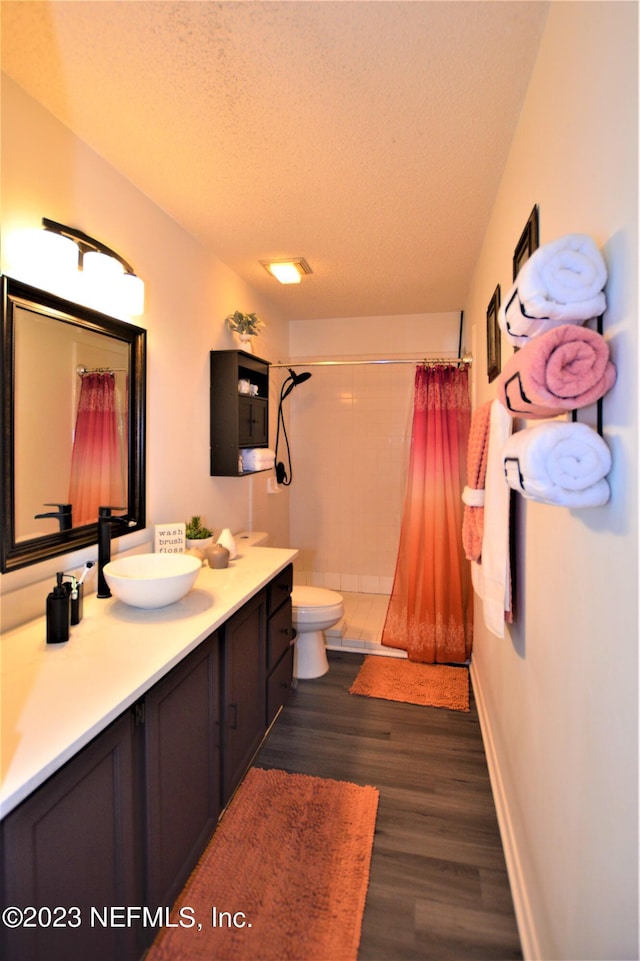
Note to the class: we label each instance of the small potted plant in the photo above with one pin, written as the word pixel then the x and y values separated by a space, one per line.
pixel 197 534
pixel 245 326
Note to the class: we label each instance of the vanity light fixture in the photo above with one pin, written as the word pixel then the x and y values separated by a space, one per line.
pixel 105 272
pixel 72 265
pixel 287 271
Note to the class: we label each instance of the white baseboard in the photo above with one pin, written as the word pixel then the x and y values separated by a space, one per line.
pixel 524 916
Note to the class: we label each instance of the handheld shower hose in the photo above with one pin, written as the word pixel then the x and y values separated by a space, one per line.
pixel 289 383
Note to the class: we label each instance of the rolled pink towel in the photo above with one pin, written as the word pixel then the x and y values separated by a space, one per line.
pixel 566 368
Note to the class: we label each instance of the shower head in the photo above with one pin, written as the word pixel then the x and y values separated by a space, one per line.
pixel 292 381
pixel 299 378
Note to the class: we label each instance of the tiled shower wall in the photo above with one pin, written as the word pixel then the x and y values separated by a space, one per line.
pixel 350 430
pixel 350 433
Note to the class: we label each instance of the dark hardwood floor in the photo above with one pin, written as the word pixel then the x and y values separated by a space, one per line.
pixel 439 889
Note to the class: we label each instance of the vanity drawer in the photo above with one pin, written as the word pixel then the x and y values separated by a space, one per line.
pixel 279 590
pixel 279 634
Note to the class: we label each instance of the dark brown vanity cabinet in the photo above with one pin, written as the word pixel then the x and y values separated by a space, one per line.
pixel 181 770
pixel 72 849
pixel 123 823
pixel 258 673
pixel 243 685
pixel 237 420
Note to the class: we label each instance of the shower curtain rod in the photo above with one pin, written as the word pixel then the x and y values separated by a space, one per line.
pixel 81 369
pixel 467 359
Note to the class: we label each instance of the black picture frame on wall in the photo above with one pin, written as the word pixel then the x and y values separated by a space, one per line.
pixel 528 242
pixel 494 344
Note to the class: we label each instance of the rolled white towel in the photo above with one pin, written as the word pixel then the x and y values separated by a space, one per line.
pixel 258 457
pixel 259 453
pixel 561 283
pixel 558 462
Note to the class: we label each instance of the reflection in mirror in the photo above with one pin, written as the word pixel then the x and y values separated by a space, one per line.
pixel 73 423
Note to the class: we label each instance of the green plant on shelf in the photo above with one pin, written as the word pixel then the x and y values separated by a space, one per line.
pixel 244 323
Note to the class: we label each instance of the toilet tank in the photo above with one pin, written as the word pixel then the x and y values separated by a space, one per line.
pixel 251 539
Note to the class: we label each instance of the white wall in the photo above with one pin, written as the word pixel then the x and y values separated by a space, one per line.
pixel 47 171
pixel 559 694
pixel 350 430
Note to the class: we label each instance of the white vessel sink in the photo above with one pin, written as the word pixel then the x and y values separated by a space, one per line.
pixel 152 580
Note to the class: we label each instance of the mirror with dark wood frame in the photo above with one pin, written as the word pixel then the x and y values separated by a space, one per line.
pixel 73 424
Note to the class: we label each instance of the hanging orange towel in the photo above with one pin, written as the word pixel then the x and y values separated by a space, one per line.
pixel 473 494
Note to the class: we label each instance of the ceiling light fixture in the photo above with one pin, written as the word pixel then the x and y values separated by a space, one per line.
pixel 288 271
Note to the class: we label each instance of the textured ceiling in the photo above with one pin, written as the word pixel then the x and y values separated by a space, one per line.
pixel 367 137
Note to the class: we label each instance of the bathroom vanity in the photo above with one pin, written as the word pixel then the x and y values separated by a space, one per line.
pixel 121 747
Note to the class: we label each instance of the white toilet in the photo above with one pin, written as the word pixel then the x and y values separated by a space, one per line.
pixel 314 610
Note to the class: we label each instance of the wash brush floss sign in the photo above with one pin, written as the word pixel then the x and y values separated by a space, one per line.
pixel 169 538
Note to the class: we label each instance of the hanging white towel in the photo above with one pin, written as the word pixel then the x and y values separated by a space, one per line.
pixel 561 283
pixel 492 578
pixel 559 462
pixel 473 497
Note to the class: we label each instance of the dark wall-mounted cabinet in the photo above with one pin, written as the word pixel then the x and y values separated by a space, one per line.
pixel 237 420
pixel 124 822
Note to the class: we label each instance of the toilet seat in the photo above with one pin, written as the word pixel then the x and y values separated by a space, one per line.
pixel 308 601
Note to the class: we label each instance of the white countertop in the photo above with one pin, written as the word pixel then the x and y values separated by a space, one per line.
pixel 57 697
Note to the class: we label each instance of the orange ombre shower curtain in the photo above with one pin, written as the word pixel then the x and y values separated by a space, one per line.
pixel 97 477
pixel 430 613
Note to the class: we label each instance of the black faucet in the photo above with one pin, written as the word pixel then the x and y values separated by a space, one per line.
pixel 105 524
pixel 63 514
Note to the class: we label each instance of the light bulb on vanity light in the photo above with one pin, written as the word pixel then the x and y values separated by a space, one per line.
pixel 132 288
pixel 42 259
pixel 101 275
pixel 109 286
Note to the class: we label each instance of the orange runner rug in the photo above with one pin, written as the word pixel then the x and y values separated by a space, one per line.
pixel 396 679
pixel 285 875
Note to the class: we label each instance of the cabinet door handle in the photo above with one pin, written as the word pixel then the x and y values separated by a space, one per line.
pixel 234 708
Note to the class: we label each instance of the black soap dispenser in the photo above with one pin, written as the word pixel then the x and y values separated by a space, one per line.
pixel 58 613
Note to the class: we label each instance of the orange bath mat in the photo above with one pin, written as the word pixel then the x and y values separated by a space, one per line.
pixel 286 874
pixel 431 685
